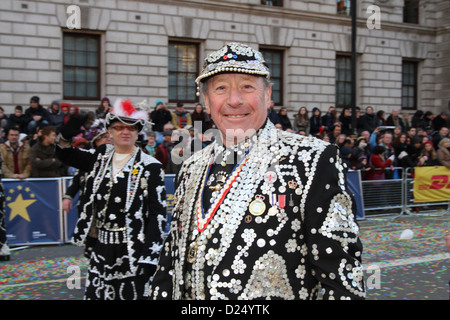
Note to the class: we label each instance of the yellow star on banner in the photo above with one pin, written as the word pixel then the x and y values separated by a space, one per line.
pixel 19 208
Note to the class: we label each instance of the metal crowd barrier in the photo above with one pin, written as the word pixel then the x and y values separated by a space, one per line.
pixel 34 213
pixel 384 194
pixel 396 193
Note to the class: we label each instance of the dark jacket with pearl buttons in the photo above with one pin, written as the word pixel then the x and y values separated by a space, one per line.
pixel 285 230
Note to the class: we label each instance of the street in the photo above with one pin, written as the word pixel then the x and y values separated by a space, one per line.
pixel 410 269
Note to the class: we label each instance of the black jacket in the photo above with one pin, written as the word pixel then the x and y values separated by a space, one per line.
pixel 285 230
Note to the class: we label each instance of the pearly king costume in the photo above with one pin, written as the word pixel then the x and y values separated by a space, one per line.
pixel 122 214
pixel 276 223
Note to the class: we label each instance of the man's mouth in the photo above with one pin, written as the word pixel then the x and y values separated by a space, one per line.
pixel 236 115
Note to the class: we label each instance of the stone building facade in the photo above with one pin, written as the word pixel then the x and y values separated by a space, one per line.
pixel 310 37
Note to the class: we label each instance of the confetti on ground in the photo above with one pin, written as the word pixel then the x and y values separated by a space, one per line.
pixel 43 278
pixel 415 269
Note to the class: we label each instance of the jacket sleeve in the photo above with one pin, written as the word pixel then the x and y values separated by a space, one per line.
pixel 334 248
pixel 26 158
pixel 379 164
pixel 156 207
pixel 77 158
pixel 162 286
pixel 6 171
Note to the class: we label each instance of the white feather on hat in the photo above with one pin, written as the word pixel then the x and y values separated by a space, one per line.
pixel 125 112
pixel 126 109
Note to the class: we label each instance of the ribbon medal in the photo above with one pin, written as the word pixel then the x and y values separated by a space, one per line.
pixel 273 202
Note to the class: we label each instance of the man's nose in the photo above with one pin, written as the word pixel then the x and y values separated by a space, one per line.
pixel 235 98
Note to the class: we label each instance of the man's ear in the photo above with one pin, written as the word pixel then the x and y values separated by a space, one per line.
pixel 268 96
pixel 207 108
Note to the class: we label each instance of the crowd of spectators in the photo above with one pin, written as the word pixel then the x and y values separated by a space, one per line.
pixel 379 143
pixel 28 136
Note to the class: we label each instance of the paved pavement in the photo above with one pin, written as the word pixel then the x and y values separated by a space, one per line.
pixel 414 269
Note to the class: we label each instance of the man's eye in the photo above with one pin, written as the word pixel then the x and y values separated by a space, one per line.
pixel 220 88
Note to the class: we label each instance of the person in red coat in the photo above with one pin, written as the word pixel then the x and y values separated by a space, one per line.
pixel 379 163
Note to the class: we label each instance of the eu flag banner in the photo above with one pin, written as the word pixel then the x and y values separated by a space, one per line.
pixel 431 184
pixel 32 211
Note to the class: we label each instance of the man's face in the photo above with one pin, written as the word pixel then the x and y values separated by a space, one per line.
pixel 238 104
pixel 387 139
pixel 13 136
pixel 123 135
pixel 444 131
pixel 34 104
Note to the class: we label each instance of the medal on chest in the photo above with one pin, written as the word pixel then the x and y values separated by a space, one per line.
pixel 257 207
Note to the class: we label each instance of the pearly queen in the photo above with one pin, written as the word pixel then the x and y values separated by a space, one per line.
pixel 273 228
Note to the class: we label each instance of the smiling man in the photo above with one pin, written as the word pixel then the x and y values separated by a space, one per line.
pixel 122 205
pixel 260 213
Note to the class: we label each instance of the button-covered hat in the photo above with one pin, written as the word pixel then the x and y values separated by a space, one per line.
pixel 125 112
pixel 231 58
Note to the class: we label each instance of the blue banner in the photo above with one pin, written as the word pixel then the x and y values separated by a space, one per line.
pixel 32 211
pixel 354 184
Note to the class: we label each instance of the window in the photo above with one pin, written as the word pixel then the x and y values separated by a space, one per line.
pixel 274 3
pixel 183 69
pixel 411 11
pixel 409 84
pixel 274 60
pixel 81 71
pixel 343 80
pixel 343 7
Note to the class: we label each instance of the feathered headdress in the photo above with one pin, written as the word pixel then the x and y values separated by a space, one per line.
pixel 125 112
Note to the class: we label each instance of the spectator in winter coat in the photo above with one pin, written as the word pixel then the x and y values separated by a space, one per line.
pixel 440 121
pixel 346 121
pixel 42 155
pixel 15 156
pixel 428 155
pixel 160 116
pixel 36 116
pixel 56 115
pixel 17 119
pixel 284 119
pixel 379 163
pixel 443 152
pixel 180 117
pixel 315 122
pixel 443 133
pixel 368 120
pixel 301 120
pixel 418 120
pixel 395 120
